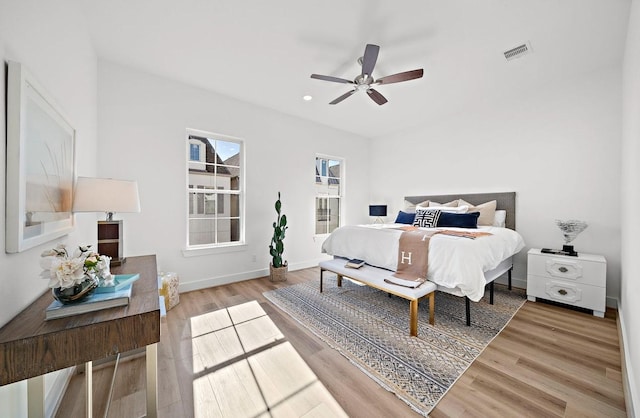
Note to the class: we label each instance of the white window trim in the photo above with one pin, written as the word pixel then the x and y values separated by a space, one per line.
pixel 197 250
pixel 343 171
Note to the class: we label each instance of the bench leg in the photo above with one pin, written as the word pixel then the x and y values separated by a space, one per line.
pixel 413 318
pixel 432 308
pixel 339 280
pixel 321 271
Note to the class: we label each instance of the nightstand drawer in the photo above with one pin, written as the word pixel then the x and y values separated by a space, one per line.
pixel 568 292
pixel 570 269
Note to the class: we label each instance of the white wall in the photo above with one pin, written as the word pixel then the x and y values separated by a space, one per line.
pixel 557 147
pixel 630 282
pixel 51 41
pixel 142 123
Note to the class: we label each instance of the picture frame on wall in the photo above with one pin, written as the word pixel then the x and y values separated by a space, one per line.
pixel 40 164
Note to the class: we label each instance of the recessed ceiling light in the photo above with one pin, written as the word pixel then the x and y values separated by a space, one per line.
pixel 306 97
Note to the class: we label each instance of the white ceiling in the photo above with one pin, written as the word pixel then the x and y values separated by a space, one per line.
pixel 263 52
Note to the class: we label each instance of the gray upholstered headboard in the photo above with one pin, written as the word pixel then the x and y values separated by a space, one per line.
pixel 505 201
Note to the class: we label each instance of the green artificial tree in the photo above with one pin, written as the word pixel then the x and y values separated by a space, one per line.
pixel 279 228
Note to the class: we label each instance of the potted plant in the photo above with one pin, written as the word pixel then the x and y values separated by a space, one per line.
pixel 278 267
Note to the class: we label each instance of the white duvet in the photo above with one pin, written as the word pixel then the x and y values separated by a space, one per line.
pixel 454 262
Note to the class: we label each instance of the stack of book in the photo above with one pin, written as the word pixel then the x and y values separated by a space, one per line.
pixel 120 281
pixel 118 295
pixel 354 263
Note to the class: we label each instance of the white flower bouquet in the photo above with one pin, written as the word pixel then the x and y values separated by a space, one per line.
pixel 66 270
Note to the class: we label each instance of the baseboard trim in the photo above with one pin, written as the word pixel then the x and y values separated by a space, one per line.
pixel 628 383
pixel 221 280
pixel 239 277
pixel 515 282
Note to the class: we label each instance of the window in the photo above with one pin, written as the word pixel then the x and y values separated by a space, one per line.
pixel 329 172
pixel 215 189
pixel 194 152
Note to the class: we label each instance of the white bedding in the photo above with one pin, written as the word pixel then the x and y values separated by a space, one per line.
pixel 454 262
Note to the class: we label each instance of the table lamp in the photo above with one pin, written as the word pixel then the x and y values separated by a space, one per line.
pixel 109 196
pixel 378 211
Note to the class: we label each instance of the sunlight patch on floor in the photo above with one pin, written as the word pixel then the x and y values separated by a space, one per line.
pixel 243 367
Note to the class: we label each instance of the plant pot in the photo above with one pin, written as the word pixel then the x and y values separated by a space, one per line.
pixel 278 274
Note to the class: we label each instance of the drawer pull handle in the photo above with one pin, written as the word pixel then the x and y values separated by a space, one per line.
pixel 562 292
pixel 563 269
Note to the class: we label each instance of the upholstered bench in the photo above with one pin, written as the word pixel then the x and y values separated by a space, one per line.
pixel 374 277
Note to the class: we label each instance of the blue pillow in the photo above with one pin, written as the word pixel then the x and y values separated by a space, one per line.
pixel 459 220
pixel 405 218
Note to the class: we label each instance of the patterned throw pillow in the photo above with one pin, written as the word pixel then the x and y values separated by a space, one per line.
pixel 426 218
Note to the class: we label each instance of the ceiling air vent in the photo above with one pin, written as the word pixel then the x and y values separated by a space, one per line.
pixel 518 51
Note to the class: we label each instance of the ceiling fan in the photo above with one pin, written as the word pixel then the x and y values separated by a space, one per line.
pixel 365 82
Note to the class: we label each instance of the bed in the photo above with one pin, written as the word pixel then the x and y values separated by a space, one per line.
pixel 457 265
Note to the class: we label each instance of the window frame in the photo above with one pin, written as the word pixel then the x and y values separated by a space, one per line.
pixel 340 196
pixel 198 249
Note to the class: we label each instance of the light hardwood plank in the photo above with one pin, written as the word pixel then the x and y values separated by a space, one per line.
pixel 549 361
pixel 257 333
pixel 236 391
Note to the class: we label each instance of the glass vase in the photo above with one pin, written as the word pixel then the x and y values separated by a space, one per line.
pixel 77 293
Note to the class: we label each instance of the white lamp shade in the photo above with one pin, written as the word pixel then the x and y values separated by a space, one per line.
pixel 105 195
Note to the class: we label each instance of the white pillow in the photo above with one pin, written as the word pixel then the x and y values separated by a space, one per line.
pixel 500 218
pixel 411 207
pixel 450 209
pixel 453 203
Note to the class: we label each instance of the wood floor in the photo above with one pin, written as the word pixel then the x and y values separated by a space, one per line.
pixel 548 362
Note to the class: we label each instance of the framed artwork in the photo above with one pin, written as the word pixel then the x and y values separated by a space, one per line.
pixel 40 165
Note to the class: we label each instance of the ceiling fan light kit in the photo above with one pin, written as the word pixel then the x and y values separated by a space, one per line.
pixel 364 81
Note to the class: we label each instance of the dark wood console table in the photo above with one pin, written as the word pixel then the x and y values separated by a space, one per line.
pixel 31 347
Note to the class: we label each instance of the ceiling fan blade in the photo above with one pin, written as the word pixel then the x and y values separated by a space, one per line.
pixel 369 59
pixel 396 78
pixel 376 96
pixel 341 98
pixel 330 78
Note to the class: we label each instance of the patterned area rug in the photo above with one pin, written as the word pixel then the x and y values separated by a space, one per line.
pixel 372 331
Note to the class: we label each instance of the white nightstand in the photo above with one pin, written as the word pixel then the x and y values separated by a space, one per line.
pixel 578 281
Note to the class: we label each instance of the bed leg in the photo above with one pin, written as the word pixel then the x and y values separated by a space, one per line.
pixel 432 308
pixel 413 318
pixel 321 271
pixel 339 280
pixel 509 275
pixel 467 303
pixel 491 293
